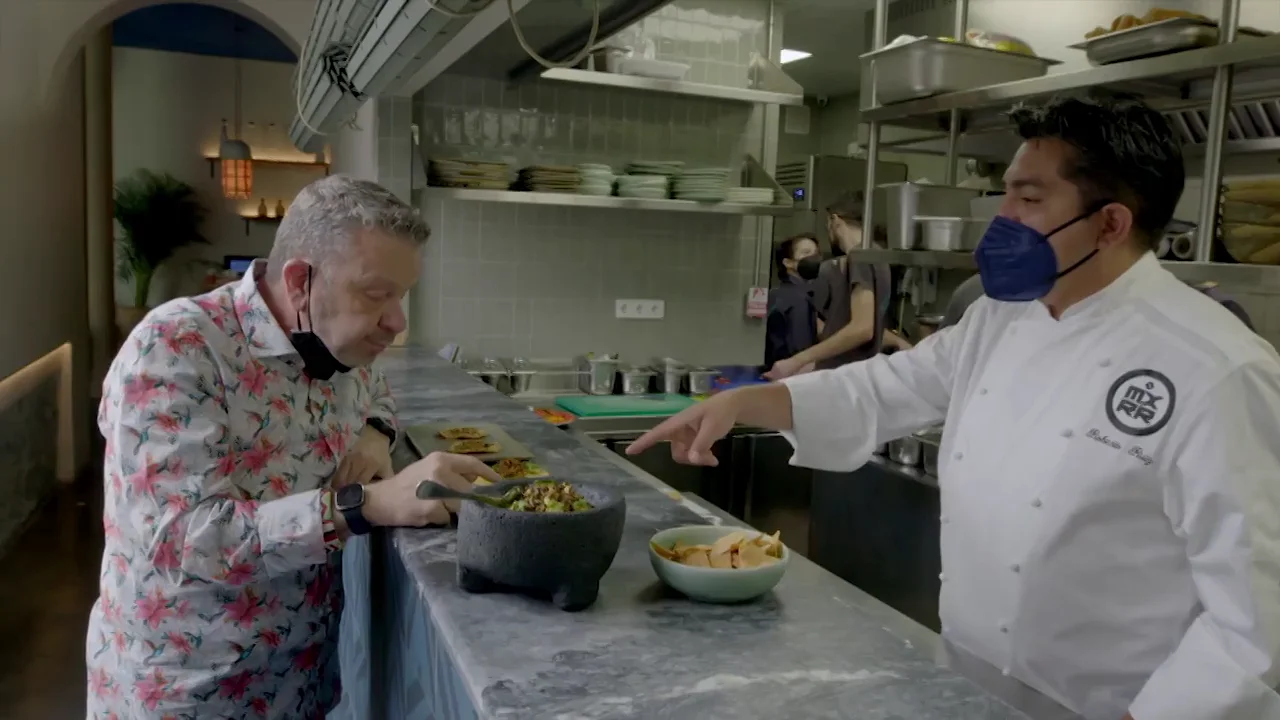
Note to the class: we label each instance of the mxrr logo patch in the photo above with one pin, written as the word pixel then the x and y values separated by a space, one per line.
pixel 1141 402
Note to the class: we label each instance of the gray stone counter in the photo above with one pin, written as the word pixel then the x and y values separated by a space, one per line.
pixel 816 648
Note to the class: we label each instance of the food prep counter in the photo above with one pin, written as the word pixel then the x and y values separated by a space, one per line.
pixel 413 645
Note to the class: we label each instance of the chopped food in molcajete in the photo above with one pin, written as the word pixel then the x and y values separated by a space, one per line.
pixel 474 447
pixel 737 550
pixel 515 469
pixel 463 433
pixel 545 496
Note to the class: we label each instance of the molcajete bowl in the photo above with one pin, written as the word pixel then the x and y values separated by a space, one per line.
pixel 557 555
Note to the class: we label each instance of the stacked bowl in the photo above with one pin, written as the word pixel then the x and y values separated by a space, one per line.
pixel 547 178
pixel 749 196
pixel 701 184
pixel 596 179
pixel 649 187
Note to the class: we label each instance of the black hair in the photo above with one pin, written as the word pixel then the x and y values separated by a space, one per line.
pixel 848 207
pixel 785 249
pixel 1124 151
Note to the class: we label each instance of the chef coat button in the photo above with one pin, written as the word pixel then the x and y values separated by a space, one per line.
pixel 1006 672
pixel 942 577
pixel 1104 362
pixel 982 391
pixel 1015 567
pixel 943 519
pixel 959 456
pixel 1036 503
pixel 1068 433
pixel 1004 627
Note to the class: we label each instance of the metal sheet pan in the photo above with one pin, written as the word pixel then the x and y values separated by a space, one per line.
pixel 927 66
pixel 1157 38
pixel 426 440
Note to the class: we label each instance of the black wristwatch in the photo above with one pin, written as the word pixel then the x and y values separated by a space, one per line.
pixel 383 427
pixel 349 500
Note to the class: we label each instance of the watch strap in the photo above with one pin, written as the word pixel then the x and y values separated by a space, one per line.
pixel 383 427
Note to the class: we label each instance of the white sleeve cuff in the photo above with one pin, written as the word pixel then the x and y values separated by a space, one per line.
pixel 829 430
pixel 291 531
pixel 1200 681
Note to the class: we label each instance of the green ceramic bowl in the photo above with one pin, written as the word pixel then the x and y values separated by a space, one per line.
pixel 713 585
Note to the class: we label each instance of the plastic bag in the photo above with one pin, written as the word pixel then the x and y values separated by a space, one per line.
pixel 998 41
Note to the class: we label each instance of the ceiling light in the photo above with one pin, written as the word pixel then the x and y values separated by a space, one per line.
pixel 793 55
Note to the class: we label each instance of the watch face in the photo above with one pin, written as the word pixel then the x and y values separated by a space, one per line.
pixel 350 496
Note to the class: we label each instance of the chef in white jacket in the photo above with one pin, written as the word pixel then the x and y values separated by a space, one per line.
pixel 1110 470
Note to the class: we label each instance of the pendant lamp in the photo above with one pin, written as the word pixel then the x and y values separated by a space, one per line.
pixel 235 157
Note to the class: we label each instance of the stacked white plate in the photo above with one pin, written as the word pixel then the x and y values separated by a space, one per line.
pixel 749 196
pixel 701 184
pixel 475 174
pixel 548 178
pixel 650 187
pixel 596 179
pixel 665 168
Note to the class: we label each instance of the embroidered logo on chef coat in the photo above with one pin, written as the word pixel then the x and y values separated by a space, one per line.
pixel 1141 402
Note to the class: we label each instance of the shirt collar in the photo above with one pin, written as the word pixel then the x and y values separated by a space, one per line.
pixel 263 334
pixel 1131 281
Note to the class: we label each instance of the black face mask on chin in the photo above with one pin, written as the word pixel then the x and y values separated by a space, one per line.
pixel 807 267
pixel 317 361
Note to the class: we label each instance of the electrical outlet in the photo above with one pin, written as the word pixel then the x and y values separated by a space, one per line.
pixel 639 309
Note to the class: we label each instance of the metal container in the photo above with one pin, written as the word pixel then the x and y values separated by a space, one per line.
pixel 702 380
pixel 905 451
pixel 928 66
pixel 930 443
pixel 1157 38
pixel 490 371
pixel 635 380
pixel 598 374
pixel 951 234
pixel 908 200
pixel 927 325
pixel 543 376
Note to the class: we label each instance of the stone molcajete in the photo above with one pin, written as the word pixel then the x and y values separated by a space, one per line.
pixel 557 555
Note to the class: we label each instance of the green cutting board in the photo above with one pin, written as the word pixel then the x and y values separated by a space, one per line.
pixel 623 405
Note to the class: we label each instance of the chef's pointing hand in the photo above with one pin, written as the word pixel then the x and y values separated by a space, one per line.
pixel 692 432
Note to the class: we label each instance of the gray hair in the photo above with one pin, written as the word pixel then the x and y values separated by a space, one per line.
pixel 327 213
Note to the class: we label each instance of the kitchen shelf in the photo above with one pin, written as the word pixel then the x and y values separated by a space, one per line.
pixel 213 164
pixel 609 202
pixel 251 220
pixel 676 87
pixel 1235 274
pixel 1166 82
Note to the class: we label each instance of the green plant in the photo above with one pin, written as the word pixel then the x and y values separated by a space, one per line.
pixel 158 214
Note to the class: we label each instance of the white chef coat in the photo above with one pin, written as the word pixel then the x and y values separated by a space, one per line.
pixel 1110 487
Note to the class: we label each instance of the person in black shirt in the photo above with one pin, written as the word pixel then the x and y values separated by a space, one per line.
pixel 791 325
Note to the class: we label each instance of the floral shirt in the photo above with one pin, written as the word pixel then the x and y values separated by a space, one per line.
pixel 219 597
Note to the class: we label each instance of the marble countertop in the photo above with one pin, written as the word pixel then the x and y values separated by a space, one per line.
pixel 817 647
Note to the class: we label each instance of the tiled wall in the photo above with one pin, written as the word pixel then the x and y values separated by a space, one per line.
pixel 541 281
pixel 29 448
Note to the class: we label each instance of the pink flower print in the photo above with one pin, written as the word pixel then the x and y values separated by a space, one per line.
pixel 109 529
pixel 166 556
pixel 255 459
pixel 227 463
pixel 121 562
pixel 245 509
pixel 259 705
pixel 147 477
pixel 318 589
pixel 234 687
pixel 140 389
pixel 270 638
pixel 154 609
pixel 101 685
pixel 279 485
pixel 179 642
pixel 168 422
pixel 320 445
pixel 253 379
pixel 177 501
pixel 238 573
pixel 326 391
pixel 183 609
pixel 307 657
pixel 246 608
pixel 120 640
pixel 151 688
pixel 282 406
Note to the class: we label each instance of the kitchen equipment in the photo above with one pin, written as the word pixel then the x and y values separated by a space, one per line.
pixel 908 200
pixel 814 184
pixel 426 440
pixel 623 405
pixel 927 325
pixel 881 450
pixel 673 374
pixel 490 371
pixel 928 66
pixel 713 585
pixel 1152 39
pixel 905 451
pixel 599 374
pixel 428 490
pixel 930 443
pixel 544 376
pixel 702 380
pixel 635 380
pixel 562 555
pixel 951 234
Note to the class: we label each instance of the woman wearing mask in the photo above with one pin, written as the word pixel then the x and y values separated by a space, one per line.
pixel 851 298
pixel 791 326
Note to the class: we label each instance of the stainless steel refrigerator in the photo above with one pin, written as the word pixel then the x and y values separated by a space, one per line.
pixel 817 182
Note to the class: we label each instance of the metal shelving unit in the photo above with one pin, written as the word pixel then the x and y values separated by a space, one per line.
pixel 609 202
pixel 1192 80
pixel 677 87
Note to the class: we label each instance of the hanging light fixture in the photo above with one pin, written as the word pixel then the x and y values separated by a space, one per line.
pixel 235 157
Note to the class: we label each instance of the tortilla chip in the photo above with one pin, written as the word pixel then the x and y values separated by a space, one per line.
pixel 463 433
pixel 696 558
pixel 751 555
pixel 663 552
pixel 727 543
pixel 721 560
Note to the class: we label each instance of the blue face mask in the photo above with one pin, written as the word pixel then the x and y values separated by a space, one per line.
pixel 1017 263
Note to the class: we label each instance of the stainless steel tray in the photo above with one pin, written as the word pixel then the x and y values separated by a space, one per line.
pixel 426 440
pixel 927 66
pixel 1157 38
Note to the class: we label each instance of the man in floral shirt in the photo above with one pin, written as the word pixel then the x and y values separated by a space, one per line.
pixel 230 421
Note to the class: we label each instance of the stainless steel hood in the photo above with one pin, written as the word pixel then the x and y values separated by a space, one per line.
pixel 362 49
